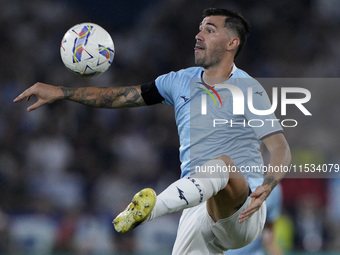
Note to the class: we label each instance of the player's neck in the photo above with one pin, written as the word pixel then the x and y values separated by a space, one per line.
pixel 218 74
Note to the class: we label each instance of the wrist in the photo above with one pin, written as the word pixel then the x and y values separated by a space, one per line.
pixel 268 189
pixel 66 92
pixel 269 183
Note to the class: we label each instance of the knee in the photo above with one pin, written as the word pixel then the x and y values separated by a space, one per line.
pixel 226 159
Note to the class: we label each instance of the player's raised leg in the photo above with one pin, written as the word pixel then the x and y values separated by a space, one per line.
pixel 228 200
pixel 184 193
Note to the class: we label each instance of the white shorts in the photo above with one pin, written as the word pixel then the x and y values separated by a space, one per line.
pixel 198 234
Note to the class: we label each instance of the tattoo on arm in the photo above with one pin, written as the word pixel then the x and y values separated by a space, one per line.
pixel 271 181
pixel 130 97
pixel 68 92
pixel 122 97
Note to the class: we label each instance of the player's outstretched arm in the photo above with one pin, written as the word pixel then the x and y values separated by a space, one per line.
pixel 122 97
pixel 279 157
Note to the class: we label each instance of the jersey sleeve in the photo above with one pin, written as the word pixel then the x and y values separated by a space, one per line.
pixel 263 125
pixel 165 84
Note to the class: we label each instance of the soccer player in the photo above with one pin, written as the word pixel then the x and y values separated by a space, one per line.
pixel 220 189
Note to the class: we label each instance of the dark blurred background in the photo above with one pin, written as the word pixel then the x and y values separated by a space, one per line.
pixel 66 170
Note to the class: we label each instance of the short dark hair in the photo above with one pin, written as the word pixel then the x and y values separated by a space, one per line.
pixel 233 21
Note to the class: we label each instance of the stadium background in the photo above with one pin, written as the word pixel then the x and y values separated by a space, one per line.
pixel 66 169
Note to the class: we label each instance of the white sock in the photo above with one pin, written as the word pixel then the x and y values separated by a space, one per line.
pixel 191 191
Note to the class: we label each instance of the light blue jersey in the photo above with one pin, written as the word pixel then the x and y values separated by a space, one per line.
pixel 208 126
pixel 274 205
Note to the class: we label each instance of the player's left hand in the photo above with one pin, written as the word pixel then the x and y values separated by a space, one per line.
pixel 258 197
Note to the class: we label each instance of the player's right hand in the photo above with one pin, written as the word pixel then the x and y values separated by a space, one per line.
pixel 258 197
pixel 45 94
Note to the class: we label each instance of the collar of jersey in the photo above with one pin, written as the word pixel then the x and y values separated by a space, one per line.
pixel 233 70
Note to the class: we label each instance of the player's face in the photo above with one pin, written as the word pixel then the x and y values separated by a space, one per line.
pixel 211 41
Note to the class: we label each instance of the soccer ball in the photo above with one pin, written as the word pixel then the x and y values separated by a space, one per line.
pixel 87 49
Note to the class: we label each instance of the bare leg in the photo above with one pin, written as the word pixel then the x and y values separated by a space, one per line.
pixel 228 200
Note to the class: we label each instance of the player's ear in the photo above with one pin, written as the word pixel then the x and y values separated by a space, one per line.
pixel 233 43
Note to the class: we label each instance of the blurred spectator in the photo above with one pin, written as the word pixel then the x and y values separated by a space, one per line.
pixel 33 233
pixel 157 238
pixel 93 235
pixel 309 225
pixel 4 234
